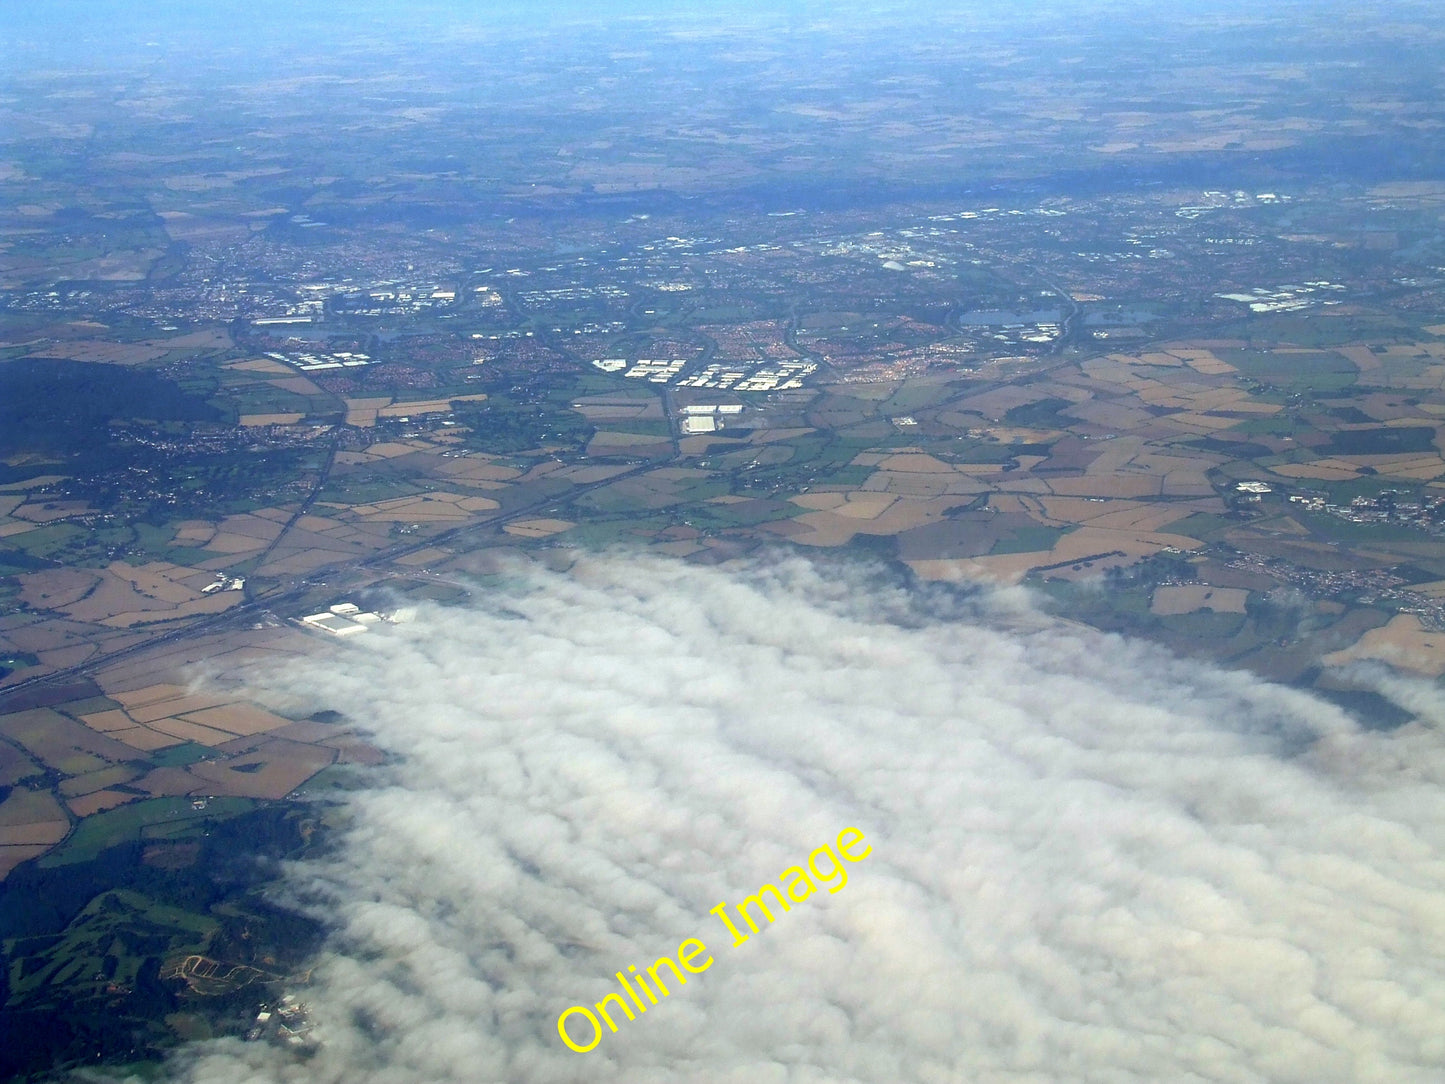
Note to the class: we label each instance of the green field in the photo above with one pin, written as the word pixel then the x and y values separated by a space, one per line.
pixel 153 818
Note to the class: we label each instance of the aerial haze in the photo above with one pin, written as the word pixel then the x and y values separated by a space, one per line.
pixel 487 490
pixel 1089 861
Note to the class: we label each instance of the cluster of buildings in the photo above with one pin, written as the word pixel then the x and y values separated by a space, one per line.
pixel 342 619
pixel 395 299
pixel 707 417
pixel 308 362
pixel 657 371
pixel 287 1023
pixel 1387 507
pixel 741 377
pixel 541 299
pixel 1012 334
pixel 1370 586
pixel 1212 200
pixel 727 375
pixel 1289 298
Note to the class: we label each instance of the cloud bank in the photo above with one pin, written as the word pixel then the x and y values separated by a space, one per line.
pixel 1090 862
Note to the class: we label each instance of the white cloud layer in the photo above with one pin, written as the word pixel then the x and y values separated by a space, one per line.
pixel 1090 862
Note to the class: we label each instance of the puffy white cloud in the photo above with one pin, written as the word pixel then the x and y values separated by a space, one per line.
pixel 1091 862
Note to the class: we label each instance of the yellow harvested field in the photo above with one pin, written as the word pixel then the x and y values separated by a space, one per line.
pixel 236 543
pixel 301 560
pixel 207 604
pixel 10 857
pixel 818 502
pixel 426 406
pixel 770 436
pixel 142 738
pixel 915 463
pixel 1071 509
pixel 1204 362
pixel 1217 398
pixel 48 511
pixel 1112 373
pixel 1114 454
pixel 106 352
pixel 1116 414
pixel 56 588
pixel 1133 543
pixel 157 579
pixel 149 694
pixel 1363 357
pixel 1417 466
pixel 835 526
pixel 77 786
pixel 1017 482
pixel 28 484
pixel 1436 329
pixel 1319 469
pixel 1071 548
pixel 238 718
pixel 264 524
pixel 1403 643
pixel 361 412
pixel 260 365
pixel 275 769
pixel 123 595
pixel 1107 485
pixel 24 806
pixel 9 504
pixel 1251 406
pixel 321 524
pixel 174 705
pixel 106 721
pixel 538 528
pixel 1008 502
pixel 865 505
pixel 1146 517
pixel 99 801
pixel 389 449
pixel 604 438
pixel 924 484
pixel 300 385
pixel 32 818
pixel 611 412
pixel 1419 471
pixel 188 731
pixel 1173 599
pixel 270 419
pixel 434 507
pixel 46 833
pixel 194 532
pixel 483 469
pixel 1202 423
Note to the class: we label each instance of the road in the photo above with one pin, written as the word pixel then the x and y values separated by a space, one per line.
pixel 280 597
